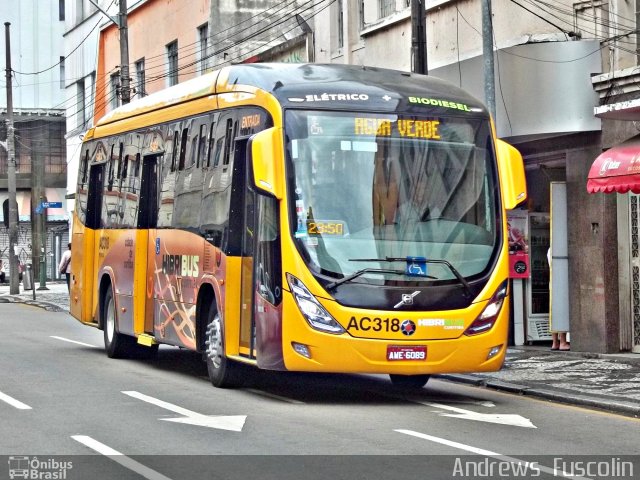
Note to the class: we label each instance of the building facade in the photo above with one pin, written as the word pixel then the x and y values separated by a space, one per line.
pixel 82 23
pixel 544 58
pixel 619 109
pixel 38 85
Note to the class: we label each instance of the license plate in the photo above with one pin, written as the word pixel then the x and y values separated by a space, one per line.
pixel 412 353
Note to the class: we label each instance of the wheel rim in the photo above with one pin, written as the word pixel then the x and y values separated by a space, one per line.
pixel 214 342
pixel 111 320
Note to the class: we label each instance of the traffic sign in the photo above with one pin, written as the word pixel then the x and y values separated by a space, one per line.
pixel 51 204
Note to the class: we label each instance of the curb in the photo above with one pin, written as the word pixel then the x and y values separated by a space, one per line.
pixel 626 408
pixel 48 306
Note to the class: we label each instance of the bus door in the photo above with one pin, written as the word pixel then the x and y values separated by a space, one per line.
pixel 261 289
pixel 85 261
pixel 144 274
pixel 247 320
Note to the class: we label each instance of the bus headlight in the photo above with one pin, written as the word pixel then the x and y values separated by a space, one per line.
pixel 489 315
pixel 311 309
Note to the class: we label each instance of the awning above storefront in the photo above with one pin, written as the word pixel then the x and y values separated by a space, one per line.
pixel 617 169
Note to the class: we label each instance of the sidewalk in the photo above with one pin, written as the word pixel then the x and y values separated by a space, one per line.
pixel 54 299
pixel 605 381
pixel 608 382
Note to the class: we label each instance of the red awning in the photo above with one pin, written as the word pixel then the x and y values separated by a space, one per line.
pixel 617 169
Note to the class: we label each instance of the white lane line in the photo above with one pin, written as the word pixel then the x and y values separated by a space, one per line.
pixel 13 402
pixel 275 397
pixel 73 341
pixel 488 453
pixel 118 457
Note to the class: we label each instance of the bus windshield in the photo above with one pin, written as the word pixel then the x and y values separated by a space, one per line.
pixel 373 189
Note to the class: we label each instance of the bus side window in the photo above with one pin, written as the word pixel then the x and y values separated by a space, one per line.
pixel 218 152
pixel 125 165
pixel 183 148
pixel 202 145
pixel 192 151
pixel 210 145
pixel 228 137
pixel 85 167
pixel 111 205
pixel 166 193
pixel 81 197
pixel 119 163
pixel 110 168
pixel 174 151
pixel 131 187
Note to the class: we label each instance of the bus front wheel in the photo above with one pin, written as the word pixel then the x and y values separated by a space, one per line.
pixel 223 373
pixel 409 381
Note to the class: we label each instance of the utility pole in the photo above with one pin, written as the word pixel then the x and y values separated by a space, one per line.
pixel 14 279
pixel 418 37
pixel 487 51
pixel 39 223
pixel 125 89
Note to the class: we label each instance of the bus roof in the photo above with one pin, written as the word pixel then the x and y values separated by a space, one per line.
pixel 317 86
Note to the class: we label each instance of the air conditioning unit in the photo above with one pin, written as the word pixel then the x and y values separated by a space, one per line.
pixel 538 329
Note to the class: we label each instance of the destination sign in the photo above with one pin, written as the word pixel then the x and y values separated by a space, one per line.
pixel 383 127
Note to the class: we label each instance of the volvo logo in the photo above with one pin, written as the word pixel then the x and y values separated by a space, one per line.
pixel 407 299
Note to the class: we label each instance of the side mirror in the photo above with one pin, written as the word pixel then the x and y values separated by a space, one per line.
pixel 512 180
pixel 267 157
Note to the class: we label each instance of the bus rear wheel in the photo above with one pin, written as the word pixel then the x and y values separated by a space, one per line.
pixel 223 373
pixel 409 381
pixel 116 344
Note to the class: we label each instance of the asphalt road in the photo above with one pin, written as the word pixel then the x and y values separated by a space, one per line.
pixel 62 399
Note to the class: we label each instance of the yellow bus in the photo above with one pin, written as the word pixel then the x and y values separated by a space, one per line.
pixel 302 217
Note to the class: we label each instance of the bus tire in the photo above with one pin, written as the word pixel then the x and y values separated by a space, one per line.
pixel 409 381
pixel 116 344
pixel 223 373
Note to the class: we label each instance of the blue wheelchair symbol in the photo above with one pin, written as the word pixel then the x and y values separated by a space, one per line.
pixel 416 267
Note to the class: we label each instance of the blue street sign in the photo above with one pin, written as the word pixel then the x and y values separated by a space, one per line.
pixel 50 204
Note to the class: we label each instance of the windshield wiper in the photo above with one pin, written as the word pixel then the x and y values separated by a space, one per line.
pixel 348 278
pixel 453 269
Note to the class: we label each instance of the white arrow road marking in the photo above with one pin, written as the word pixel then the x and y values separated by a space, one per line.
pixel 231 422
pixel 519 466
pixel 118 457
pixel 501 418
pixel 13 402
pixel 73 341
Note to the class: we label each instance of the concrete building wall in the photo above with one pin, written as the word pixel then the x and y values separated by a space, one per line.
pixel 249 30
pixel 36 45
pixel 453 31
pixel 593 254
pixel 152 25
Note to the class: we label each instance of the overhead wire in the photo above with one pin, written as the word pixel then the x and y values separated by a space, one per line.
pixel 235 26
pixel 289 17
pixel 251 36
pixel 101 88
pixel 69 54
pixel 544 7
